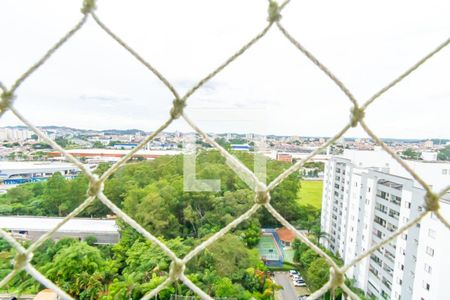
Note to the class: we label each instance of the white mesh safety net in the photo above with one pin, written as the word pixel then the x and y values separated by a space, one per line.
pixel 24 256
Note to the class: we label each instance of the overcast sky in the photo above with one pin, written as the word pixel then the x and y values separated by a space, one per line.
pixel 91 82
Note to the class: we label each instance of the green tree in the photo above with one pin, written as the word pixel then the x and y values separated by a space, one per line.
pixel 62 142
pixel 228 257
pixel 90 240
pixel 410 154
pixel 223 142
pixel 444 154
pixel 98 144
pixel 39 155
pixel 11 156
pixel 225 288
pixel 56 193
pixel 79 269
pixel 318 273
pixel 252 235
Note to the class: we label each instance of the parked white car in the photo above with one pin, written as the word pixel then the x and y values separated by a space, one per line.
pixel 300 283
pixel 296 277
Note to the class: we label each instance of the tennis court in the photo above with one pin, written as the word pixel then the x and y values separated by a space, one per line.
pixel 269 250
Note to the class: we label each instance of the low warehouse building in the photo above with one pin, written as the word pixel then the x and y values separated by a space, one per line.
pixel 32 228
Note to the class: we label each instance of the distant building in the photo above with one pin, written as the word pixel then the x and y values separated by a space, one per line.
pixel 27 171
pixel 160 145
pixel 286 236
pixel 15 134
pixel 429 156
pixel 240 147
pixel 367 196
pixel 428 144
pixel 286 157
pixel 113 154
pixel 124 146
pixel 32 228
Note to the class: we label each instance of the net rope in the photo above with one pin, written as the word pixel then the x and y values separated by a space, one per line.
pixel 22 261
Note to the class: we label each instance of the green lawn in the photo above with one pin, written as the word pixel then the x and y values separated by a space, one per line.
pixel 311 193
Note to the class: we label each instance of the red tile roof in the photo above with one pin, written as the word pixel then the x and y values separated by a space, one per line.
pixel 285 234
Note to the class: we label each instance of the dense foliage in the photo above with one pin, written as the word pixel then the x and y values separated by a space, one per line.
pixel 316 270
pixel 444 154
pixel 152 193
pixel 410 154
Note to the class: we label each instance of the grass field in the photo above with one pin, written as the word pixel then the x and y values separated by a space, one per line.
pixel 311 193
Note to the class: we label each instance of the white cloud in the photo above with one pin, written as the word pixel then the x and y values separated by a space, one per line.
pixel 92 82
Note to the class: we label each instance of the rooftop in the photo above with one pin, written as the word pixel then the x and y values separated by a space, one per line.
pixel 29 223
pixel 436 174
pixel 113 152
pixel 285 234
pixel 14 165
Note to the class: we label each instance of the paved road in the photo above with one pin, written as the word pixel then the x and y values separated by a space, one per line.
pixel 288 291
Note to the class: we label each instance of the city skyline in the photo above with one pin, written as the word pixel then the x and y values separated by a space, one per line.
pixel 413 139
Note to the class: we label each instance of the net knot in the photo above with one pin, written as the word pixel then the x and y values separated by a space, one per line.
pixel 6 101
pixel 95 186
pixel 274 12
pixel 337 277
pixel 356 116
pixel 262 197
pixel 177 108
pixel 88 6
pixel 21 260
pixel 431 201
pixel 176 269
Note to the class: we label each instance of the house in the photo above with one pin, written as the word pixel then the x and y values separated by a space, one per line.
pixel 286 236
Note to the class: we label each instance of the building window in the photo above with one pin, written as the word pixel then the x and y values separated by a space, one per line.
pixel 407 204
pixel 432 233
pixel 404 236
pixel 430 251
pixel 426 286
pixel 427 268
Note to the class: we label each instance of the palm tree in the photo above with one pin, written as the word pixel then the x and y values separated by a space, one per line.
pixel 320 235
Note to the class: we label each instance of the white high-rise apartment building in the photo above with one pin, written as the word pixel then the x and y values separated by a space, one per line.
pixel 367 195
pixel 14 134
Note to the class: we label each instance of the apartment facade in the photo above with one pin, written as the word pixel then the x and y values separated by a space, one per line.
pixel 366 197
